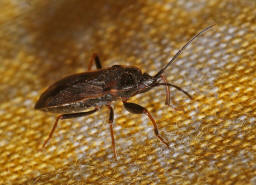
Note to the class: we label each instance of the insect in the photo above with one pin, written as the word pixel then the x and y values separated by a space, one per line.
pixel 73 94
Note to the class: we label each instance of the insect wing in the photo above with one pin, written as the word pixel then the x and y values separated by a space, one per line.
pixel 72 89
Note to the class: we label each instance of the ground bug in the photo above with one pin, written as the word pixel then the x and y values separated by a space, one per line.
pixel 73 94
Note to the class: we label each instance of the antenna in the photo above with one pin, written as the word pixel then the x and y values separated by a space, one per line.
pixel 180 51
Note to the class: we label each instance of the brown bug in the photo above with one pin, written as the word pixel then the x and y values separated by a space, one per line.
pixel 73 94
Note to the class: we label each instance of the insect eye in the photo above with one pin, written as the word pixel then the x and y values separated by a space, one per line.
pixel 127 81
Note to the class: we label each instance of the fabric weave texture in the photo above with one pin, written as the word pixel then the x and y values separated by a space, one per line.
pixel 212 137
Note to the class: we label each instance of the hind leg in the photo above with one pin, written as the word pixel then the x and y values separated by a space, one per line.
pixel 67 116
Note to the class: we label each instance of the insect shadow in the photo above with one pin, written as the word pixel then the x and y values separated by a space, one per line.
pixel 71 95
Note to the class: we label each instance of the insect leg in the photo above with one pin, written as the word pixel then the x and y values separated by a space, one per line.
pixel 137 109
pixel 167 90
pixel 66 116
pixel 95 58
pixel 110 120
pixel 167 100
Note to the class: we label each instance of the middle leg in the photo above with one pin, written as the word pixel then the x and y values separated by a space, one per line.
pixel 95 58
pixel 110 121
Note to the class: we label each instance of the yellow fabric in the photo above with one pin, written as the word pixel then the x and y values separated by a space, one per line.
pixel 212 137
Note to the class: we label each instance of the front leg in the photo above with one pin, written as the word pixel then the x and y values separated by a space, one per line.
pixel 167 90
pixel 137 109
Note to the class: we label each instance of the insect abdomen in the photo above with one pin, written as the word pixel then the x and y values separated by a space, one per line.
pixel 80 106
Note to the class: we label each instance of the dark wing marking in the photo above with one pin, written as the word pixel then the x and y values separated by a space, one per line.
pixel 78 92
pixel 72 89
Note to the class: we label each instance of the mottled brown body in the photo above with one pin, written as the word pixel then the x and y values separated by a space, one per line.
pixel 94 89
pixel 78 92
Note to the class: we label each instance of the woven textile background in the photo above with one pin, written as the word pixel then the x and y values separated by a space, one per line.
pixel 212 137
